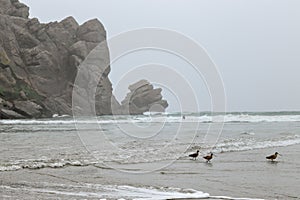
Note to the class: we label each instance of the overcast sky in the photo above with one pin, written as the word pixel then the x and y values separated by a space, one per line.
pixel 255 44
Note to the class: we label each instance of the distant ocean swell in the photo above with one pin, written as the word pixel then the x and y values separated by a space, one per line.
pixel 168 118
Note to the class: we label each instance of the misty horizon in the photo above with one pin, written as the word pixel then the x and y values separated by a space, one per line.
pixel 255 45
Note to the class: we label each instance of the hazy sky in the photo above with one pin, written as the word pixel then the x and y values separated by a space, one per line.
pixel 254 43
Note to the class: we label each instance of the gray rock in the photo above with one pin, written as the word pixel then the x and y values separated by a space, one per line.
pixel 4 60
pixel 28 108
pixel 33 25
pixel 92 31
pixel 142 98
pixel 23 95
pixel 70 24
pixel 138 84
pixel 5 6
pixel 5 104
pixel 75 60
pixel 39 63
pixel 14 8
pixel 46 57
pixel 9 114
pixel 21 10
pixel 7 80
pixel 79 49
pixel 24 38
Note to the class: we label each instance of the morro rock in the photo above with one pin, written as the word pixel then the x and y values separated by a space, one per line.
pixel 38 62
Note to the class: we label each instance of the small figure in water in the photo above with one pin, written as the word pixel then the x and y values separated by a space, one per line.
pixel 183 117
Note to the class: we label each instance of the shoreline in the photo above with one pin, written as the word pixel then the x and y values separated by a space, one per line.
pixel 244 174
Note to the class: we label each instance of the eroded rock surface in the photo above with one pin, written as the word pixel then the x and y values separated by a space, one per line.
pixel 142 98
pixel 39 64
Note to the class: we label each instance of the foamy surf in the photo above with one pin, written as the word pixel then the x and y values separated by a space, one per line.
pixel 82 190
pixel 147 152
pixel 39 164
pixel 230 198
pixel 166 118
pixel 251 144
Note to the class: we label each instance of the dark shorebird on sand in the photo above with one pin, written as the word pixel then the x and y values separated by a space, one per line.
pixel 194 155
pixel 273 157
pixel 209 157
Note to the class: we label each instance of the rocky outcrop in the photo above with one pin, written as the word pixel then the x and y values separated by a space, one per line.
pixel 14 8
pixel 39 63
pixel 28 108
pixel 142 98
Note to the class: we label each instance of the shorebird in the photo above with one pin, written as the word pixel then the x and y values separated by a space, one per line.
pixel 273 157
pixel 209 157
pixel 194 155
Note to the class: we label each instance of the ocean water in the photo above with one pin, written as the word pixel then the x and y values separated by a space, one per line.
pixel 152 142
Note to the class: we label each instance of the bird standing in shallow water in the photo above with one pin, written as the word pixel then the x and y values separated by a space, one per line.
pixel 194 155
pixel 273 157
pixel 209 157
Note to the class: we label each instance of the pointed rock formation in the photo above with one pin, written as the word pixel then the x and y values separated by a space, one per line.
pixel 143 98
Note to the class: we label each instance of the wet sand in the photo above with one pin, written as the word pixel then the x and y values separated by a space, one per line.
pixel 235 174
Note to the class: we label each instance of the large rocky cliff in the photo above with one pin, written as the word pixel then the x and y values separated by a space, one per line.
pixel 39 63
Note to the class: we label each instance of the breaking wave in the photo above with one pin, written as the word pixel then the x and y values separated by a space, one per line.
pixel 169 118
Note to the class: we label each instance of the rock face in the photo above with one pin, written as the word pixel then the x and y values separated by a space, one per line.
pixel 28 108
pixel 142 98
pixel 39 63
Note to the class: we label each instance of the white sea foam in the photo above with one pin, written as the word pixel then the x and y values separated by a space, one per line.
pixel 10 168
pixel 117 192
pixel 251 144
pixel 40 163
pixel 230 198
pixel 229 118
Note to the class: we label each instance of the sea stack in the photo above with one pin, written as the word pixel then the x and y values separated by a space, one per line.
pixel 142 97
